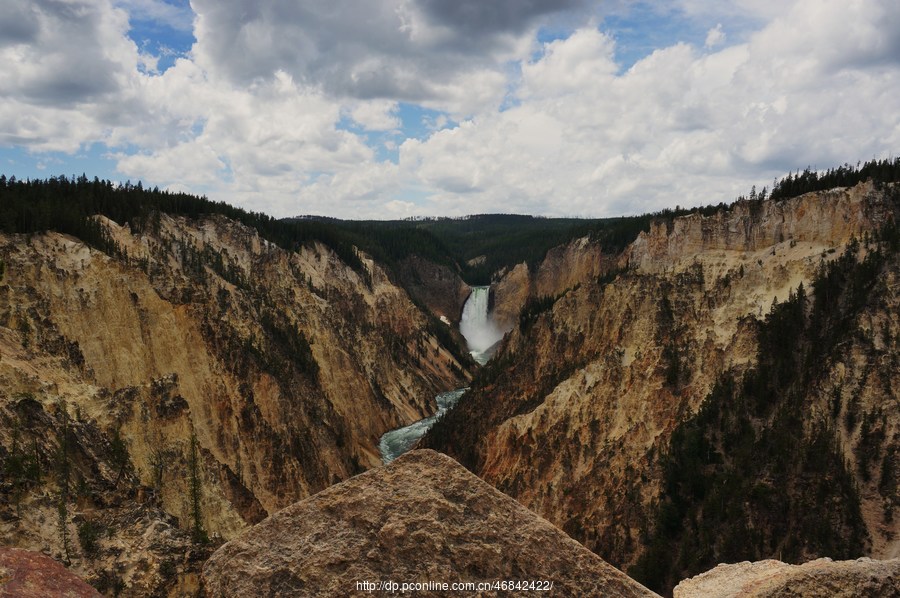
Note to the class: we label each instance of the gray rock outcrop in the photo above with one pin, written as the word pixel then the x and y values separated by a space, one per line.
pixel 423 518
pixel 821 578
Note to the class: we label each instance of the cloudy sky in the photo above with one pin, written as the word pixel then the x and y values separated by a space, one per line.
pixel 395 108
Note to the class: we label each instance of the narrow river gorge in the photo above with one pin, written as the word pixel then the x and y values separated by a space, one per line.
pixel 482 336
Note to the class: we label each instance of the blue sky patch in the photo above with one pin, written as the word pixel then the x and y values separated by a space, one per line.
pixel 168 37
pixel 646 28
pixel 92 161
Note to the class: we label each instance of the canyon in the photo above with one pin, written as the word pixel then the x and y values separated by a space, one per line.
pixel 575 415
pixel 177 404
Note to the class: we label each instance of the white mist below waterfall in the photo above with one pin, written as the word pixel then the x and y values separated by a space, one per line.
pixel 477 326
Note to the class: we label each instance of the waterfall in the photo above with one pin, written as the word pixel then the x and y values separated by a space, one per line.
pixel 477 326
pixel 482 336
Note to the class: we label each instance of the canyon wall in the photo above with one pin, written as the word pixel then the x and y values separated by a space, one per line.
pixel 573 417
pixel 435 286
pixel 563 268
pixel 195 381
pixel 161 398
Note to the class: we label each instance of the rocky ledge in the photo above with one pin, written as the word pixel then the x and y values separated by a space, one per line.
pixel 422 519
pixel 822 578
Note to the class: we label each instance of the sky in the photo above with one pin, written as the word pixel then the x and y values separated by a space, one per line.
pixel 402 108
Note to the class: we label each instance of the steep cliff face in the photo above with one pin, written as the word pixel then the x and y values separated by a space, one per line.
pixel 575 414
pixel 238 377
pixel 563 268
pixel 828 218
pixel 437 287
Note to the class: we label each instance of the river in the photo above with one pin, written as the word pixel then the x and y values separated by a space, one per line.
pixel 396 442
pixel 482 336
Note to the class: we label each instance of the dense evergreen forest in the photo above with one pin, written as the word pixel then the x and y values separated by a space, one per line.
pixel 881 171
pixel 481 245
pixel 475 246
pixel 66 205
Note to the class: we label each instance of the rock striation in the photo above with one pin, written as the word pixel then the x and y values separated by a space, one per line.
pixel 821 578
pixel 197 377
pixel 436 286
pixel 563 268
pixel 575 415
pixel 826 218
pixel 423 518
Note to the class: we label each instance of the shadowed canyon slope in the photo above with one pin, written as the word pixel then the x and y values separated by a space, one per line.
pixel 202 373
pixel 423 518
pixel 563 268
pixel 575 415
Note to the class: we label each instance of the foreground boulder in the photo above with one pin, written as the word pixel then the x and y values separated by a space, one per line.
pixel 822 578
pixel 423 519
pixel 26 574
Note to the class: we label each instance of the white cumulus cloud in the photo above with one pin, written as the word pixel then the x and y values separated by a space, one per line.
pixel 297 107
pixel 715 36
pixel 680 126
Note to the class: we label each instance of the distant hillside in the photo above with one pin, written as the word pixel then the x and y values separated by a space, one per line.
pixel 67 205
pixel 475 247
pixel 480 246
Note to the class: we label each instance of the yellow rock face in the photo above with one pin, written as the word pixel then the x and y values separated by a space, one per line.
pixel 286 367
pixel 574 425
